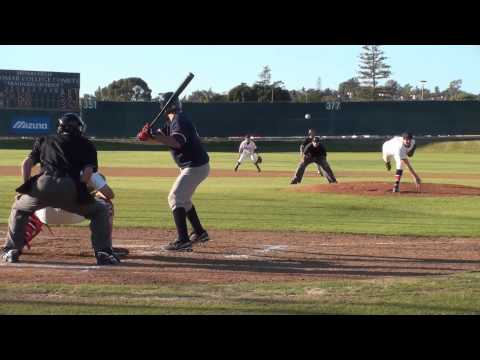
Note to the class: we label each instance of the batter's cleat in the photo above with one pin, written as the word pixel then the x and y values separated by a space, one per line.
pixel 10 256
pixel 120 252
pixel 202 238
pixel 388 166
pixel 293 182
pixel 106 257
pixel 178 245
pixel 396 189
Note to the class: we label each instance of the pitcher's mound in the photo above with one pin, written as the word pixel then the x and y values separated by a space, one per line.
pixel 385 189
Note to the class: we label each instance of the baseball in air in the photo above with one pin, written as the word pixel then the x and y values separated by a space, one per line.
pixel 308 116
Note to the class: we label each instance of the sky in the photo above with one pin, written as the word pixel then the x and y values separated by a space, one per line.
pixel 221 67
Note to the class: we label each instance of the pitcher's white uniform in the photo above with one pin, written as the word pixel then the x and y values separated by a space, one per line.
pixel 394 148
pixel 54 216
pixel 247 150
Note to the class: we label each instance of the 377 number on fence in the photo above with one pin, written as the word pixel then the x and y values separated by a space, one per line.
pixel 333 105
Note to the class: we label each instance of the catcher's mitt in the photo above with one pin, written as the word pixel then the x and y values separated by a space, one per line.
pixel 259 159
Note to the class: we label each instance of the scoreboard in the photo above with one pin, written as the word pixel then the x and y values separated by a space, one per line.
pixel 39 90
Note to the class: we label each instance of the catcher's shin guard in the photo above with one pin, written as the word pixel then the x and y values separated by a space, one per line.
pixel 33 228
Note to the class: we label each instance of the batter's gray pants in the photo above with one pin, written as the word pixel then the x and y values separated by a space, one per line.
pixel 182 190
pixel 321 163
pixel 57 193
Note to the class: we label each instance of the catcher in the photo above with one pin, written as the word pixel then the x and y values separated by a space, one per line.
pixel 400 148
pixel 99 188
pixel 68 160
pixel 247 149
pixel 314 152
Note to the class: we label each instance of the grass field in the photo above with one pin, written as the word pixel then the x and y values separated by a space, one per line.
pixel 264 203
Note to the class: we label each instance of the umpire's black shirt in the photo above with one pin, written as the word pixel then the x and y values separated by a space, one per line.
pixel 313 151
pixel 307 141
pixel 64 154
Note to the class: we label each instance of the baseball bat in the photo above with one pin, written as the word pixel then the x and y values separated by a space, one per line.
pixel 180 89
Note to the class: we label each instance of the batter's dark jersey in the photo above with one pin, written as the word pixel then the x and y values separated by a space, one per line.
pixel 191 152
pixel 313 151
pixel 64 155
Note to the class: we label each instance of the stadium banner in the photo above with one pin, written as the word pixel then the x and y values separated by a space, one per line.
pixel 30 125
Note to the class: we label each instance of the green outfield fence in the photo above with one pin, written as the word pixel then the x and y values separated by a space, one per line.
pixel 124 119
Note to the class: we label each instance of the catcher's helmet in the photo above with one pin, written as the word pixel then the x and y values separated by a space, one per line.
pixel 174 106
pixel 71 123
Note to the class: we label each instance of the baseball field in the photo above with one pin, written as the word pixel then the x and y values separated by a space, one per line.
pixel 314 248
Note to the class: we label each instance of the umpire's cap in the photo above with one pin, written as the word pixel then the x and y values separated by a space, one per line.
pixel 174 106
pixel 71 123
pixel 407 135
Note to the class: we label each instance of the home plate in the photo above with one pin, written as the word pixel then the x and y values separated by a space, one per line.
pixel 50 266
pixel 268 248
pixel 234 256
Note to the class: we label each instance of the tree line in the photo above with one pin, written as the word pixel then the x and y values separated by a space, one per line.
pixel 367 86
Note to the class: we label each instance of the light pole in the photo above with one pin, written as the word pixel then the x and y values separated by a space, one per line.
pixel 423 86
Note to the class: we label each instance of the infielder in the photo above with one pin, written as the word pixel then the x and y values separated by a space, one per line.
pixel 314 152
pixel 181 136
pixel 400 148
pixel 248 149
pixel 63 157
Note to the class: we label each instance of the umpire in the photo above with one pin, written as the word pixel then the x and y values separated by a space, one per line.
pixel 314 152
pixel 186 148
pixel 63 157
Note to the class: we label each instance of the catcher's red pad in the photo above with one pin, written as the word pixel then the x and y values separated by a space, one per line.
pixel 33 228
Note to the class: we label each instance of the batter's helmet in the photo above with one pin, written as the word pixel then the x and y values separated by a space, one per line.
pixel 72 124
pixel 174 106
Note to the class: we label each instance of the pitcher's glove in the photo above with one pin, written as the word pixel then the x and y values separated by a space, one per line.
pixel 145 133
pixel 412 151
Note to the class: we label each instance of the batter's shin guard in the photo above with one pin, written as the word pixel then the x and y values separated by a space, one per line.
pixel 195 221
pixel 180 218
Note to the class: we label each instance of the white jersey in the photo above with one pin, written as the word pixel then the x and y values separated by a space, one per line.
pixel 394 148
pixel 249 148
pixel 54 216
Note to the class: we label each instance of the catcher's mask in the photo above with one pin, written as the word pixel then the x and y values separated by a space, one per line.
pixel 316 140
pixel 71 123
pixel 174 106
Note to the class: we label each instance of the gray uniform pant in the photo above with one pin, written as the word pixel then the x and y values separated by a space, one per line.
pixel 187 182
pixel 58 193
pixel 321 163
